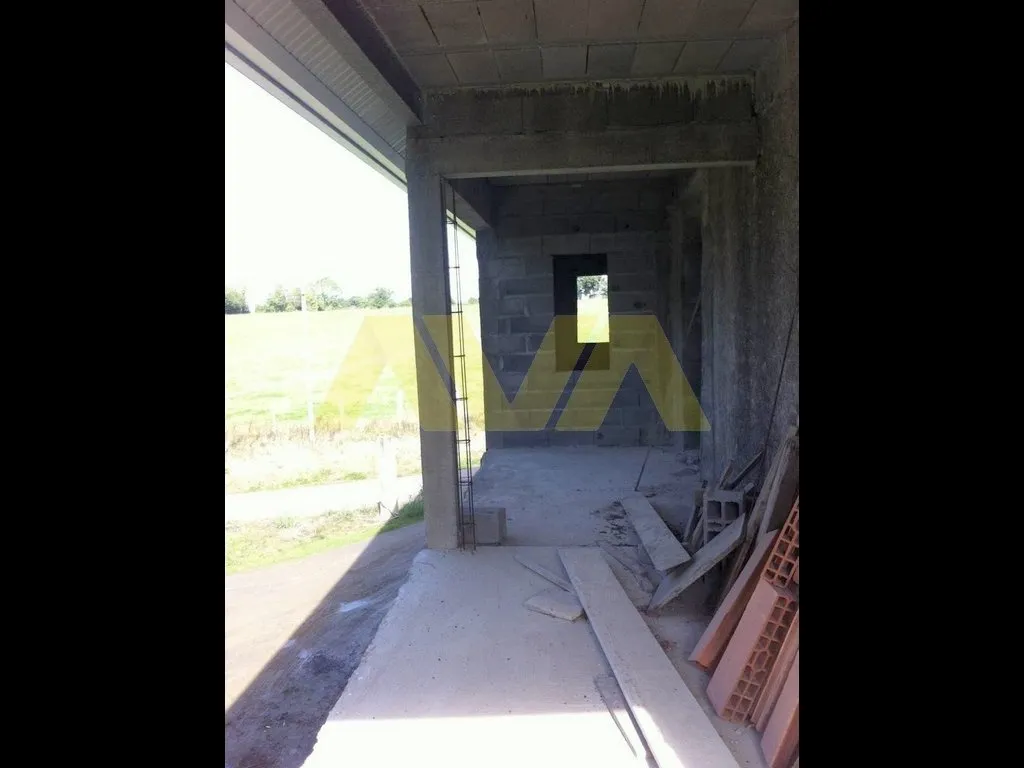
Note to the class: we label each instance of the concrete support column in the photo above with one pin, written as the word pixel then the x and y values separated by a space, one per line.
pixel 691 251
pixel 430 297
pixel 726 310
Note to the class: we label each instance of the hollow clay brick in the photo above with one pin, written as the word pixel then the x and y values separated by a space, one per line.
pixel 712 643
pixel 777 677
pixel 782 734
pixel 784 561
pixel 752 651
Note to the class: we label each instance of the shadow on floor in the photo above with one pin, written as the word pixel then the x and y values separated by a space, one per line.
pixel 294 633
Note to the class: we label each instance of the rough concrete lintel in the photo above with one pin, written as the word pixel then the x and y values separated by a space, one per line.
pixel 696 84
pixel 474 202
pixel 585 107
pixel 666 147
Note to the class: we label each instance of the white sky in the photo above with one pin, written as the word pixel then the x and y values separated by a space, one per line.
pixel 299 206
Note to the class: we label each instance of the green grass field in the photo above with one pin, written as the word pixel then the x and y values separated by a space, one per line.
pixel 273 360
pixel 360 388
pixel 260 543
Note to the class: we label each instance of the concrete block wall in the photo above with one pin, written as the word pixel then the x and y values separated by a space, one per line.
pixel 750 274
pixel 624 219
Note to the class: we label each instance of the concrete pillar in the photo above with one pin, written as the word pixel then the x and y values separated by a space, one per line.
pixel 684 293
pixel 430 297
pixel 690 357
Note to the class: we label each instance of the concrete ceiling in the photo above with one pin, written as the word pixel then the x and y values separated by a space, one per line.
pixel 452 43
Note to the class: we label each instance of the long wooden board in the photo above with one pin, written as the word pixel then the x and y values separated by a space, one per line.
pixel 661 544
pixel 675 727
pixel 712 643
pixel 705 559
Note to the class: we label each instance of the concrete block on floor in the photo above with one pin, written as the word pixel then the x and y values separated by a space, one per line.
pixel 556 602
pixel 490 525
pixel 749 657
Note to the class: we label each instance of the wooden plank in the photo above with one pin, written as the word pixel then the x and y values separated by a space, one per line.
pixel 733 482
pixel 712 643
pixel 725 475
pixel 660 543
pixel 703 561
pixel 672 721
pixel 753 532
pixel 540 570
pixel 697 537
pixel 777 677
pixel 785 488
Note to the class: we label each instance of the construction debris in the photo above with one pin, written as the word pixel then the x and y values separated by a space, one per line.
pixel 703 561
pixel 735 480
pixel 780 487
pixel 556 602
pixel 777 677
pixel 757 678
pixel 752 644
pixel 782 734
pixel 752 651
pixel 660 543
pixel 637 586
pixel 712 643
pixel 673 723
pixel 540 570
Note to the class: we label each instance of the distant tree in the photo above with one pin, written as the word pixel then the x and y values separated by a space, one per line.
pixel 473 300
pixel 405 302
pixel 324 294
pixel 234 302
pixel 282 301
pixel 591 285
pixel 355 302
pixel 380 298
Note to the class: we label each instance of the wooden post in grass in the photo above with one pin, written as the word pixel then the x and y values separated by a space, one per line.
pixel 309 383
pixel 387 476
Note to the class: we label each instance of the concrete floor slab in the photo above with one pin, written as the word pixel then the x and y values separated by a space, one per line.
pixel 461 673
pixel 564 496
pixel 560 496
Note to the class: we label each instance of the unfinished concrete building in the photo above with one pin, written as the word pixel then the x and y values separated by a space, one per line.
pixel 652 141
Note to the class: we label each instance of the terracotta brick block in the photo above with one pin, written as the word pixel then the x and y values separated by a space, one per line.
pixel 784 561
pixel 712 643
pixel 782 735
pixel 777 677
pixel 752 651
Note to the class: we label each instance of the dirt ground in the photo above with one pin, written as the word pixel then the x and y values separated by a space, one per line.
pixel 293 635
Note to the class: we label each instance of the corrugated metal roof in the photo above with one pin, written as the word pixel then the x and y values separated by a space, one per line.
pixel 293 30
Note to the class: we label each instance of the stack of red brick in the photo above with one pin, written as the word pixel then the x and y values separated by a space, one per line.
pixel 752 645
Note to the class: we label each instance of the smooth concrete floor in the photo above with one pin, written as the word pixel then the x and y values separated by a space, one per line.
pixel 462 674
pixel 562 496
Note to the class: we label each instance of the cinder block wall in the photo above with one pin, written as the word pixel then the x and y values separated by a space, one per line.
pixel 750 275
pixel 624 219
